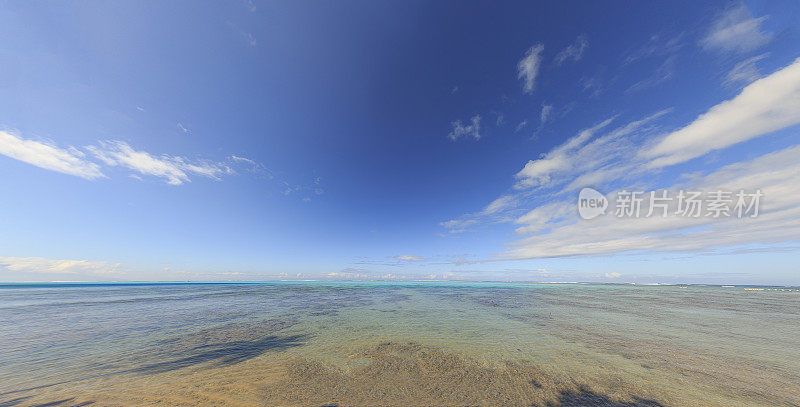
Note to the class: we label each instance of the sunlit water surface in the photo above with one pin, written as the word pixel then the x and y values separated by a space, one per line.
pixel 316 343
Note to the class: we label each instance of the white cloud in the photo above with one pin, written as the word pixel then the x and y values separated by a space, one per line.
pixel 592 85
pixel 745 71
pixel 521 126
pixel 470 130
pixel 174 169
pixel 657 45
pixel 44 155
pixel 182 128
pixel 629 154
pixel 250 39
pixel 504 202
pixel 538 172
pixel 766 105
pixel 546 113
pixel 664 73
pixel 243 159
pixel 613 274
pixel 609 156
pixel 538 218
pixel 736 30
pixel 573 51
pixel 458 225
pixel 579 162
pixel 42 265
pixel 528 67
pixel 775 174
pixel 253 166
pixel 494 210
pixel 406 257
pixel 351 273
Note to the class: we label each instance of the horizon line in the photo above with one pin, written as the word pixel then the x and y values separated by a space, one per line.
pixel 723 285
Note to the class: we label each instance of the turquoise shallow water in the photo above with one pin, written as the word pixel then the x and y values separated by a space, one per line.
pixel 676 345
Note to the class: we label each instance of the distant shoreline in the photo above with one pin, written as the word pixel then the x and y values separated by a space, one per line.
pixel 388 282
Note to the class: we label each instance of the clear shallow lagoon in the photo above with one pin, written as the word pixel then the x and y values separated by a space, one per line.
pixel 312 343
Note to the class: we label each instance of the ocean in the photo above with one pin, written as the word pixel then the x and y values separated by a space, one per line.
pixel 398 343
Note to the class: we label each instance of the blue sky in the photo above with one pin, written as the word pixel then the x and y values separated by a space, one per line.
pixel 248 140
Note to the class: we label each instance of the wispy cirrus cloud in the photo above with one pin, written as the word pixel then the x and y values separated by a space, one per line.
pixel 237 158
pixel 539 171
pixel 499 204
pixel 458 225
pixel 629 154
pixel 661 49
pixel 174 169
pixel 183 128
pixel 663 73
pixel 528 67
pixel 306 192
pixel 587 160
pixel 57 266
pixel 353 273
pixel 745 71
pixel 546 113
pixel 581 159
pixel 658 45
pixel 496 211
pixel 767 105
pixel 407 257
pixel 736 30
pixel 573 51
pixel 48 156
pixel 91 161
pixel 775 174
pixel 764 106
pixel 461 130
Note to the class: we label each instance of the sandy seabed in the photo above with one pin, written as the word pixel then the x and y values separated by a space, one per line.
pixel 398 374
pixel 401 346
